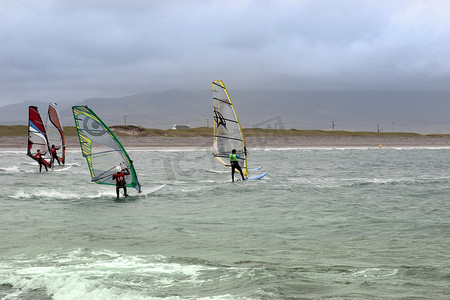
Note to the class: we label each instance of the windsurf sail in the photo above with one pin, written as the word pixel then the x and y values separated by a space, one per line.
pixel 55 132
pixel 228 133
pixel 101 148
pixel 37 136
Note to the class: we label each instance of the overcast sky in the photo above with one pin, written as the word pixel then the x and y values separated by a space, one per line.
pixel 75 49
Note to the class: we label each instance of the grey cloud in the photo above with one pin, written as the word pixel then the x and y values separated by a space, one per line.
pixel 80 49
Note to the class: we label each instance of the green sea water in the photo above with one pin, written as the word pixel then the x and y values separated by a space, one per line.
pixel 325 223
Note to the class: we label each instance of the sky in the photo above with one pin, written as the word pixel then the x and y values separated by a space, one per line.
pixel 70 50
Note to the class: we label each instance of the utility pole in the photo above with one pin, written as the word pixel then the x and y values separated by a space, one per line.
pixel 378 127
pixel 332 125
pixel 125 117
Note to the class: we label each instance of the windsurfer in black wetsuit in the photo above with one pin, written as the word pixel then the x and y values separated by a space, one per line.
pixel 40 160
pixel 235 164
pixel 55 155
pixel 121 183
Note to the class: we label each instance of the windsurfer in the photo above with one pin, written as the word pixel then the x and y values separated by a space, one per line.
pixel 121 183
pixel 41 162
pixel 235 164
pixel 55 155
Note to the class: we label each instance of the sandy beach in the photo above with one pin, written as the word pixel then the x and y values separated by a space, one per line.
pixel 160 142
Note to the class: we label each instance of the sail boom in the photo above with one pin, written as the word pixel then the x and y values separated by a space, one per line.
pixel 225 155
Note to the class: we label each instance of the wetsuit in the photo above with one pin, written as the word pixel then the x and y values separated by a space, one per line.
pixel 41 162
pixel 235 165
pixel 55 156
pixel 121 182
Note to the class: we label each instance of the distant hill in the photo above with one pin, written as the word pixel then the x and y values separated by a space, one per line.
pixel 422 112
pixel 17 114
pixel 153 110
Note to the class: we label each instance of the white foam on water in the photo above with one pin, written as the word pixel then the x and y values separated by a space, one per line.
pixel 61 194
pixel 13 169
pixel 45 193
pixel 100 274
pixel 21 195
pixel 374 273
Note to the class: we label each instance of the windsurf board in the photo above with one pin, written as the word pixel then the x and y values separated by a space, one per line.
pixel 255 169
pixel 257 177
pixel 147 191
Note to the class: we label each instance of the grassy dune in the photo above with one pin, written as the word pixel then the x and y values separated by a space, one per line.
pixel 130 130
pixel 16 130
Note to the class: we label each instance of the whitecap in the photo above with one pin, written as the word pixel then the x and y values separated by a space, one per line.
pixel 100 274
pixel 45 193
pixel 13 169
pixel 374 273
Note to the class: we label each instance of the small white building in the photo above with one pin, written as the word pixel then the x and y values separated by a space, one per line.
pixel 176 126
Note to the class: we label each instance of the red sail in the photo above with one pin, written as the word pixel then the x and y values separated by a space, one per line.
pixel 37 136
pixel 55 132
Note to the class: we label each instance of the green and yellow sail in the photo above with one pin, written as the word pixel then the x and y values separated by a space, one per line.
pixel 101 148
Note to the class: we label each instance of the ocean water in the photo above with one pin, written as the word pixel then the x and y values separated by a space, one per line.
pixel 347 223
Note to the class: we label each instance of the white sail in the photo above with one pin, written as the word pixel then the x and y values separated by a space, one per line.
pixel 228 133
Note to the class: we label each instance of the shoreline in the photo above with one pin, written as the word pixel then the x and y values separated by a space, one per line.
pixel 159 142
